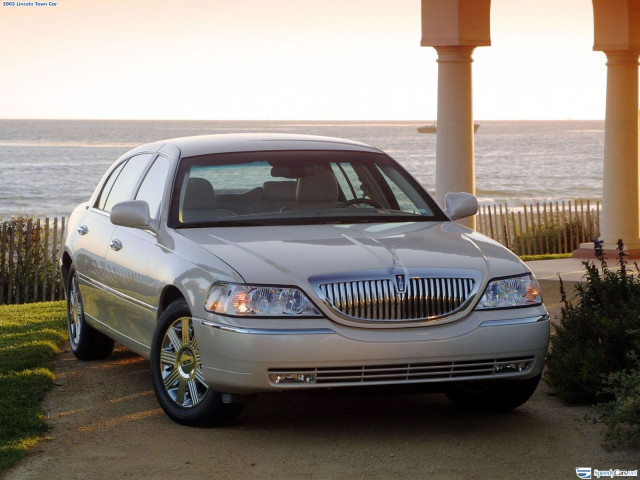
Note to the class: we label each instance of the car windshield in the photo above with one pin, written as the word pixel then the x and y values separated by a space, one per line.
pixel 296 187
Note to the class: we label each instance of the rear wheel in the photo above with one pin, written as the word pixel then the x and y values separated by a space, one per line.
pixel 493 396
pixel 176 373
pixel 86 342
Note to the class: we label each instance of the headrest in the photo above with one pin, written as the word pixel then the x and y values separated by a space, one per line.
pixel 199 195
pixel 322 187
pixel 278 191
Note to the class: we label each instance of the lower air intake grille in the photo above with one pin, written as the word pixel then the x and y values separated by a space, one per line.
pixel 410 373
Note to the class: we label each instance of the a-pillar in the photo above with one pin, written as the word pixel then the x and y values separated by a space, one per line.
pixel 454 28
pixel 617 34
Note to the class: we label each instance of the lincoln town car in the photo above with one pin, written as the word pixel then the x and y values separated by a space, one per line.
pixel 248 263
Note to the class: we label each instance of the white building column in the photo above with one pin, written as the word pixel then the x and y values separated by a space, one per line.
pixel 616 32
pixel 455 160
pixel 621 184
pixel 454 28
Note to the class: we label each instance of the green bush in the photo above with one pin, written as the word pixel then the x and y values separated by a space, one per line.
pixel 622 414
pixel 597 331
pixel 549 239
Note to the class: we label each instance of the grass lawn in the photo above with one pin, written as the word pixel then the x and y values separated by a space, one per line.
pixel 548 256
pixel 30 336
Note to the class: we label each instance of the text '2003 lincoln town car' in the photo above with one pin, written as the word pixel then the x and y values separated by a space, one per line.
pixel 241 264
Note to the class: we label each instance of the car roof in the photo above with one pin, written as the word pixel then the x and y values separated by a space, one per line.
pixel 251 142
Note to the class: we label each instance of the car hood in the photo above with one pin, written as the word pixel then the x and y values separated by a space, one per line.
pixel 289 255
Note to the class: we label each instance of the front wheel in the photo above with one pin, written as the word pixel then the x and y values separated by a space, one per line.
pixel 492 396
pixel 86 342
pixel 176 373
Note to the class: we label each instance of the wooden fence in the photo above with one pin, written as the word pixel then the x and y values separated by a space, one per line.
pixel 540 228
pixel 29 260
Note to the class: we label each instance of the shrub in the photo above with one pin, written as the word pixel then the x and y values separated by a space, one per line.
pixel 622 414
pixel 550 238
pixel 597 331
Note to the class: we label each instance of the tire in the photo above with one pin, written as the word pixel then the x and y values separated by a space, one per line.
pixel 176 373
pixel 493 396
pixel 86 342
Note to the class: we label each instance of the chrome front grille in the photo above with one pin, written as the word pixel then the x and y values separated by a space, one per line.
pixel 410 373
pixel 398 297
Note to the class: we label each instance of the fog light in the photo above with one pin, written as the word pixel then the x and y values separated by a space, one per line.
pixel 512 367
pixel 292 378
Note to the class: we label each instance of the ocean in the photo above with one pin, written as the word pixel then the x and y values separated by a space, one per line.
pixel 47 167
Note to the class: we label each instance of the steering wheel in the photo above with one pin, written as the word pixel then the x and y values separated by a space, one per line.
pixel 356 201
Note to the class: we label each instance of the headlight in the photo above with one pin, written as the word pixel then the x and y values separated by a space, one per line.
pixel 521 291
pixel 259 301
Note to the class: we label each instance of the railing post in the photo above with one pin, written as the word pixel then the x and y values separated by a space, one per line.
pixel 54 264
pixel 3 254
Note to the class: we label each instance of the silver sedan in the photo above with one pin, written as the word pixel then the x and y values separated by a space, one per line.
pixel 241 264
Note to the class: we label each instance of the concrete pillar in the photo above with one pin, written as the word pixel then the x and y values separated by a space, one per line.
pixel 454 28
pixel 620 197
pixel 617 34
pixel 455 159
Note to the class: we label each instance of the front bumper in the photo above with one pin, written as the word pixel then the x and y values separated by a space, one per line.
pixel 250 360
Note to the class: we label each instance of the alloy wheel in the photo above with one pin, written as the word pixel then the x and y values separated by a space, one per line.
pixel 76 312
pixel 180 365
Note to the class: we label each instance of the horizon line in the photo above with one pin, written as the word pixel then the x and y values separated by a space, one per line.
pixel 292 119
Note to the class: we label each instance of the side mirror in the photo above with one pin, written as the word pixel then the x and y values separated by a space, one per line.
pixel 460 205
pixel 132 213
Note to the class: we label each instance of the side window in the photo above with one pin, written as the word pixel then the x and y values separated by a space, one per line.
pixel 408 200
pixel 104 194
pixel 152 187
pixel 127 180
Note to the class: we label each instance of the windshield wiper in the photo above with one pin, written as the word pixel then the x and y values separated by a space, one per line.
pixel 228 223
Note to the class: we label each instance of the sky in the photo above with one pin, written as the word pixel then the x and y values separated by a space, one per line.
pixel 287 59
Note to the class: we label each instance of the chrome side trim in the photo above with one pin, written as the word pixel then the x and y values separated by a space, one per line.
pixel 116 293
pixel 515 321
pixel 267 331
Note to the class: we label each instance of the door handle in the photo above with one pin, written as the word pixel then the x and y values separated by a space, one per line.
pixel 83 230
pixel 115 245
